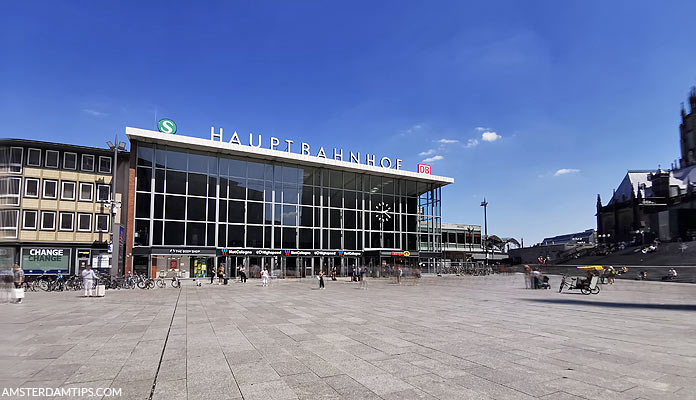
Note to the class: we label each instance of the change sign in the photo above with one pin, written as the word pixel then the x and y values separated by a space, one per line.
pixel 45 258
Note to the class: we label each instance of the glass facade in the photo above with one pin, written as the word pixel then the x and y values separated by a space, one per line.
pixel 185 198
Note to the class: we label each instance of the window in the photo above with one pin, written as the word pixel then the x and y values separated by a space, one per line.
pixel 33 157
pixel 101 223
pixel 67 221
pixel 50 189
pixel 103 192
pixel 9 190
pixel 12 161
pixel 86 191
pixel 31 187
pixel 87 162
pixel 68 191
pixel 29 220
pixel 51 159
pixel 105 165
pixel 84 222
pixel 70 161
pixel 48 220
pixel 8 223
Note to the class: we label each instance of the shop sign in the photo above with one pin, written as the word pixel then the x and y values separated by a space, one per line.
pixel 346 253
pixel 46 258
pixel 268 252
pixel 325 253
pixel 184 251
pixel 297 253
pixel 338 154
pixel 101 261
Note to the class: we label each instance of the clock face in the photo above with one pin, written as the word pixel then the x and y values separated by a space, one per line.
pixel 383 210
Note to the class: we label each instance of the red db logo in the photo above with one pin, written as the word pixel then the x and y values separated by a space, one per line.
pixel 424 169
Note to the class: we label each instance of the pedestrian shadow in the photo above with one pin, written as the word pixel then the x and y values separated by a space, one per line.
pixel 678 307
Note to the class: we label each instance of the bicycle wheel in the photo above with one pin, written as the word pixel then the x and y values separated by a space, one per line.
pixel 585 290
pixel 161 283
pixel 142 284
pixel 43 285
pixel 150 284
pixel 595 290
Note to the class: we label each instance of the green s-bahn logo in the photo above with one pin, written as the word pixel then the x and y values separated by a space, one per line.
pixel 166 126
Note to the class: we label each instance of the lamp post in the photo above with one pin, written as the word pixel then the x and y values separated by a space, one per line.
pixel 484 204
pixel 114 205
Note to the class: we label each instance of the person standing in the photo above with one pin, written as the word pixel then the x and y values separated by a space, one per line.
pixel 264 277
pixel 88 279
pixel 321 279
pixel 18 281
pixel 333 273
pixel 212 275
pixel 242 274
pixel 221 274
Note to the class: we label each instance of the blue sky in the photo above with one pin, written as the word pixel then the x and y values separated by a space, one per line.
pixel 590 88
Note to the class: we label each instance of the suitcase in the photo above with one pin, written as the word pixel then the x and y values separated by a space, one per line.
pixel 18 293
pixel 225 281
pixel 101 290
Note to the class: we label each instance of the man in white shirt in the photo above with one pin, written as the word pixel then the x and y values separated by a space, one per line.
pixel 88 279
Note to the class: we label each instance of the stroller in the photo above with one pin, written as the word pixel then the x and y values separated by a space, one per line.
pixel 544 284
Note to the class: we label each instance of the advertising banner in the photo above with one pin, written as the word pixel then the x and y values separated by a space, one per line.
pixel 46 259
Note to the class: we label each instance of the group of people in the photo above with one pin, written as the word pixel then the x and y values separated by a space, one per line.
pixel 533 278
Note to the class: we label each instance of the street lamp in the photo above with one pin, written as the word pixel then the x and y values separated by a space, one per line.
pixel 484 204
pixel 114 205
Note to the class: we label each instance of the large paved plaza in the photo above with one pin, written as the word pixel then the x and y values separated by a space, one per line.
pixel 445 338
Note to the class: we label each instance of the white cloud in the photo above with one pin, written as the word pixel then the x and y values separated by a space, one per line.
pixel 433 158
pixel 471 143
pixel 94 112
pixel 481 129
pixel 565 171
pixel 426 153
pixel 448 141
pixel 490 136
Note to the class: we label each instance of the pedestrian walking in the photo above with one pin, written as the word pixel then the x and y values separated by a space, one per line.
pixel 399 274
pixel 88 279
pixel 527 277
pixel 333 273
pixel 18 281
pixel 321 279
pixel 242 274
pixel 212 276
pixel 221 274
pixel 264 277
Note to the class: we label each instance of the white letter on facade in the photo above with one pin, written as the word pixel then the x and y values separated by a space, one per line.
pixel 369 161
pixel 274 143
pixel 381 162
pixel 215 136
pixel 289 142
pixel 305 149
pixel 398 163
pixel 355 157
pixel 235 139
pixel 251 140
pixel 338 156
pixel 321 153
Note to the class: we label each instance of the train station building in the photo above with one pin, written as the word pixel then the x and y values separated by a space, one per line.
pixel 196 203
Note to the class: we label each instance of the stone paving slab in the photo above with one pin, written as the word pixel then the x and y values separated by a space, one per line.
pixel 445 338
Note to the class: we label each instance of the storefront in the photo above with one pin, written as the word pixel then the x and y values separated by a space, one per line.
pixel 198 204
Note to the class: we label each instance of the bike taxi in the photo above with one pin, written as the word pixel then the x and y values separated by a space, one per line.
pixel 588 284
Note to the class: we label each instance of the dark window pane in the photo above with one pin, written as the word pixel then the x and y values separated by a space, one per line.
pixel 349 240
pixel 175 207
pixel 196 209
pixel 267 237
pixel 308 176
pixel 235 236
pixel 388 240
pixel 325 238
pixel 173 233
pixel 335 236
pixel 360 216
pixel 350 198
pixel 176 160
pixel 142 232
pixel 290 175
pixel 306 214
pixel 254 236
pixel 222 235
pixel 317 217
pixel 255 170
pixel 349 219
pixel 210 241
pixel 268 172
pixel 317 239
pixel 176 182
pixel 159 206
pixel 349 178
pixel 255 190
pixel 159 180
pixel 336 180
pixel 160 158
pixel 306 241
pixel 223 211
pixel 223 187
pixel 336 198
pixel 195 234
pixel 144 179
pixel 142 205
pixel 268 191
pixel 158 227
pixel 224 166
pixel 211 210
pixel 268 216
pixel 34 157
pixel 197 184
pixel 290 194
pixel 212 186
pixel 145 155
pixel 289 215
pixel 254 213
pixel 237 188
pixel 278 213
pixel 289 239
pixel 238 168
pixel 198 163
pixel 276 238
pixel 387 185
pixel 235 211
pixel 411 241
pixel 375 240
pixel 306 195
pixel 335 218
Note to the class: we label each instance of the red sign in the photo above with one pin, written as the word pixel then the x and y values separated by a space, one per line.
pixel 424 169
pixel 172 264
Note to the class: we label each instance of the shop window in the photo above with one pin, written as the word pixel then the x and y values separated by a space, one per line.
pixel 174 233
pixel 84 222
pixel 29 218
pixel 33 157
pixel 67 222
pixel 88 162
pixel 48 220
pixel 70 161
pixel 50 189
pixel 51 159
pixel 86 191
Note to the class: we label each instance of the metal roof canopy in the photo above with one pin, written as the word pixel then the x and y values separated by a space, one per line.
pixel 210 146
